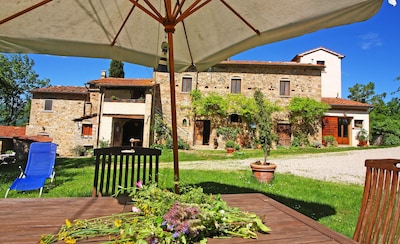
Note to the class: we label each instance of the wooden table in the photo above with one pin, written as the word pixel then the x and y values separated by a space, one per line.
pixel 26 220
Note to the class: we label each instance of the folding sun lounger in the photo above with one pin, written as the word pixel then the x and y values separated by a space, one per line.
pixel 39 168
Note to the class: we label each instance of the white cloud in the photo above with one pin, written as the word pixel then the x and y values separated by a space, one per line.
pixel 370 40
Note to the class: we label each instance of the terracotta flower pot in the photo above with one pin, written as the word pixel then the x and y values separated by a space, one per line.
pixel 263 173
pixel 230 150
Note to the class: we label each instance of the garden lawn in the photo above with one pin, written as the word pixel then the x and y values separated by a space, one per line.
pixel 332 204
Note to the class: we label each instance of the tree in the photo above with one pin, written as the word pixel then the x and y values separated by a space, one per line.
pixel 264 123
pixel 116 69
pixel 17 79
pixel 362 93
pixel 305 116
pixel 384 116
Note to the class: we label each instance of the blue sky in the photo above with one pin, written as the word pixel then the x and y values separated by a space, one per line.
pixel 371 49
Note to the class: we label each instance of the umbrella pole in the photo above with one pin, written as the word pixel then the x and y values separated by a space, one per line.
pixel 173 108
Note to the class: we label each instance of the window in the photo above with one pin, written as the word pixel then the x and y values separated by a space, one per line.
pixel 235 118
pixel 48 105
pixel 87 130
pixel 358 123
pixel 284 88
pixel 236 84
pixel 186 84
pixel 320 62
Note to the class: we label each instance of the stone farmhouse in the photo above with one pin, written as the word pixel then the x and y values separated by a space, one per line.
pixel 122 111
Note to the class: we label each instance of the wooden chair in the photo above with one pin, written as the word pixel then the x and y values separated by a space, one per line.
pixel 118 169
pixel 380 209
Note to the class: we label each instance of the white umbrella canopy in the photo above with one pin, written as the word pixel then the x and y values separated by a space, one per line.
pixel 119 30
pixel 200 33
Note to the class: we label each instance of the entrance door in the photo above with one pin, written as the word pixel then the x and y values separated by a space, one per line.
pixel 343 130
pixel 284 134
pixel 202 134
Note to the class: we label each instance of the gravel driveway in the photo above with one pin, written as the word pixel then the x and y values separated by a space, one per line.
pixel 346 167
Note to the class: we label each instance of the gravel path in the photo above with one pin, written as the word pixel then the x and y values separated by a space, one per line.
pixel 346 167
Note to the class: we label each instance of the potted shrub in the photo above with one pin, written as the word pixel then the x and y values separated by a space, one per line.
pixel 362 137
pixel 328 140
pixel 230 146
pixel 264 171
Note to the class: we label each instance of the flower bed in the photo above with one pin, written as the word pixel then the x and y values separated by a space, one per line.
pixel 160 216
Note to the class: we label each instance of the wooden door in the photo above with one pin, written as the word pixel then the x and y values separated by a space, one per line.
pixel 343 130
pixel 284 134
pixel 199 132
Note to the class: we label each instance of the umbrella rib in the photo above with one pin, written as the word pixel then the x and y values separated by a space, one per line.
pixel 187 42
pixel 193 8
pixel 240 17
pixel 122 26
pixel 156 15
pixel 24 11
pixel 178 8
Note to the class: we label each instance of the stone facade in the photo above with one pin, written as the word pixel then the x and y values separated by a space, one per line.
pixel 304 79
pixel 63 119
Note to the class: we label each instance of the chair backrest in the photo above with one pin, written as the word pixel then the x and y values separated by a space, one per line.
pixel 378 221
pixel 120 168
pixel 41 159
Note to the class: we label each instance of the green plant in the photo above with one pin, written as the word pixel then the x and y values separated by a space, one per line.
pixel 230 144
pixel 10 152
pixel 104 143
pixel 305 116
pixel 329 139
pixel 160 216
pixel 264 124
pixel 228 133
pixel 79 150
pixel 391 140
pixel 362 135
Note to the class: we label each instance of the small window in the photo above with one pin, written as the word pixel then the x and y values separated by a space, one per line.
pixel 48 105
pixel 235 118
pixel 87 130
pixel 184 122
pixel 284 88
pixel 321 62
pixel 236 84
pixel 358 123
pixel 186 84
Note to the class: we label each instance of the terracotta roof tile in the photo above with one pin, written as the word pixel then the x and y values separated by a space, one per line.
pixel 12 131
pixel 111 81
pixel 61 89
pixel 343 102
pixel 36 138
pixel 266 63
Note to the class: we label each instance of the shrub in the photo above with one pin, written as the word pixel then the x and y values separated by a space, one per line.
pixel 230 144
pixel 79 150
pixel 391 140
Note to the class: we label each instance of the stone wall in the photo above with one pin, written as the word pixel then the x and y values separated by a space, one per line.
pixel 305 81
pixel 59 123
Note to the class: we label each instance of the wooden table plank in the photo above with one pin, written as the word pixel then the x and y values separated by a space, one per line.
pixel 25 220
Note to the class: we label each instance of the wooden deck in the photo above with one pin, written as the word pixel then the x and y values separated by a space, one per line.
pixel 26 220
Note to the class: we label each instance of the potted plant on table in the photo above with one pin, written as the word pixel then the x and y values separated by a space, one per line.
pixel 362 137
pixel 264 171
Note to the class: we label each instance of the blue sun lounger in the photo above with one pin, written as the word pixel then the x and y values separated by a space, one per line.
pixel 39 168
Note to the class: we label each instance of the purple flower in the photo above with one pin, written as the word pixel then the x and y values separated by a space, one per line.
pixel 135 209
pixel 139 184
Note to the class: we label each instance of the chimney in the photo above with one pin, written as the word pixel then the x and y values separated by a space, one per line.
pixel 103 74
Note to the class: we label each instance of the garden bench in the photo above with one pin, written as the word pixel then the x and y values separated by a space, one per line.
pixel 118 169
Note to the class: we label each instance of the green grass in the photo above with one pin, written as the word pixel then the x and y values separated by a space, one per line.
pixel 332 204
pixel 220 154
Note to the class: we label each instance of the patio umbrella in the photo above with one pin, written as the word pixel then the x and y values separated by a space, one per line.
pixel 198 33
